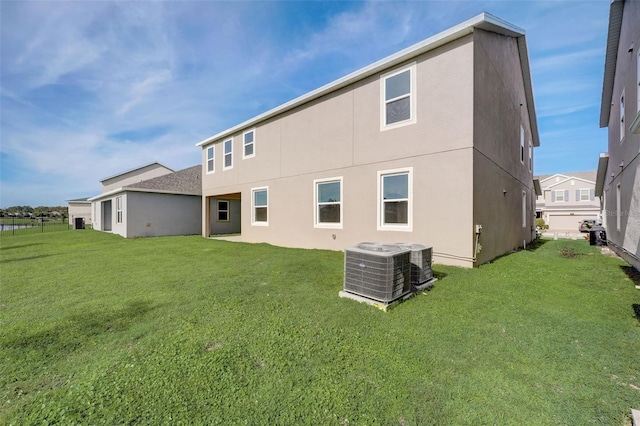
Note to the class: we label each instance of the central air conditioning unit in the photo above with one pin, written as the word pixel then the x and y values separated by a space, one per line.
pixel 421 259
pixel 377 271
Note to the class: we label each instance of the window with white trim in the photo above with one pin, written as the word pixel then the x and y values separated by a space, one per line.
pixel 260 206
pixel 223 210
pixel 119 209
pixel 560 195
pixel 530 157
pixel 584 194
pixel 395 199
pixel 622 129
pixel 618 207
pixel 228 154
pixel 521 145
pixel 398 89
pixel 211 152
pixel 638 82
pixel 328 203
pixel 524 209
pixel 249 144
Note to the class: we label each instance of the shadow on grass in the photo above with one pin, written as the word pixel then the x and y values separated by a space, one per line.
pixel 536 244
pixel 78 329
pixel 632 273
pixel 19 246
pixel 40 256
pixel 439 275
pixel 636 310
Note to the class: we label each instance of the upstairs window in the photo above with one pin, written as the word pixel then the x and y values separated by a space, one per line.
pixel 398 98
pixel 228 154
pixel 584 194
pixel 249 142
pixel 638 82
pixel 560 195
pixel 211 159
pixel 530 157
pixel 622 116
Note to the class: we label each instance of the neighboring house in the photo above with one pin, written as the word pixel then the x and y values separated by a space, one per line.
pixel 79 212
pixel 567 200
pixel 618 181
pixel 150 202
pixel 431 145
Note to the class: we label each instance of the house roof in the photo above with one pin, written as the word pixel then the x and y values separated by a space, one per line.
pixel 603 163
pixel 135 169
pixel 184 182
pixel 484 21
pixel 613 38
pixel 589 176
pixel 79 200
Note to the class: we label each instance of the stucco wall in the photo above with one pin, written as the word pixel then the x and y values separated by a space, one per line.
pixel 80 210
pixel 151 214
pixel 134 176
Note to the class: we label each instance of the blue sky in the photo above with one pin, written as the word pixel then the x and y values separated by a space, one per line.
pixel 90 89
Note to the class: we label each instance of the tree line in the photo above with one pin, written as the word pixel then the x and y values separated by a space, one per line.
pixel 40 211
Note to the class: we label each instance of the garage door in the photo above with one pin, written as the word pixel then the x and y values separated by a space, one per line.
pixel 566 222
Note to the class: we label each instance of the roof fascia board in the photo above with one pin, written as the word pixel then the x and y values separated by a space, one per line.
pixel 149 191
pixel 136 168
pixel 603 164
pixel 613 38
pixel 484 21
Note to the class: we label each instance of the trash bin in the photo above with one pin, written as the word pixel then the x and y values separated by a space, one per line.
pixel 597 236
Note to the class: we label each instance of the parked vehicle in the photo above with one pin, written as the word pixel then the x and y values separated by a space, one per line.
pixel 586 225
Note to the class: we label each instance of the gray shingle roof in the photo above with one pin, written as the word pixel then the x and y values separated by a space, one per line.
pixel 590 175
pixel 188 181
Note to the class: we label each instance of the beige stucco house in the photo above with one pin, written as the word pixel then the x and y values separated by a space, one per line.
pixel 79 212
pixel 431 145
pixel 567 199
pixel 618 180
pixel 150 201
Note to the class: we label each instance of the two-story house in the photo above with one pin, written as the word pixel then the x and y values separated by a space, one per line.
pixel 149 201
pixel 618 181
pixel 431 145
pixel 567 199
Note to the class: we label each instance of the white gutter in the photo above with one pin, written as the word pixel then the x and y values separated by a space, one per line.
pixel 150 191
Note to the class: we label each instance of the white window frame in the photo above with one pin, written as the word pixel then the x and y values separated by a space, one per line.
pixel 618 207
pixel 521 145
pixel 253 206
pixel 524 209
pixel 588 194
pixel 227 210
pixel 245 144
pixel 225 153
pixel 119 210
pixel 412 97
pixel 530 156
pixel 622 118
pixel 210 159
pixel 317 204
pixel 638 82
pixel 408 227
pixel 559 191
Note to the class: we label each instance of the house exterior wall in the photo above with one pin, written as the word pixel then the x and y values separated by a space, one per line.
pixel 500 175
pixel 561 204
pixel 338 135
pixel 622 180
pixel 462 152
pixel 134 176
pixel 80 209
pixel 155 214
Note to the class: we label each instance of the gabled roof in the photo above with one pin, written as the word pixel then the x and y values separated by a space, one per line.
pixel 187 181
pixel 589 176
pixel 613 38
pixel 183 182
pixel 484 21
pixel 136 169
pixel 78 200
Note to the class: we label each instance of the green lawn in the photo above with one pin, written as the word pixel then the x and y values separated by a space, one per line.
pixel 99 329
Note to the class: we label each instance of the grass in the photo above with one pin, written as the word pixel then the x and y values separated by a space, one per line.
pixel 184 330
pixel 22 226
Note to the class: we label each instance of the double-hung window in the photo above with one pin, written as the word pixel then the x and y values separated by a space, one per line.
pixel 530 157
pixel 249 144
pixel 211 152
pixel 524 209
pixel 228 154
pixel 328 203
pixel 395 199
pixel 260 206
pixel 118 209
pixel 584 194
pixel 560 195
pixel 223 211
pixel 398 106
